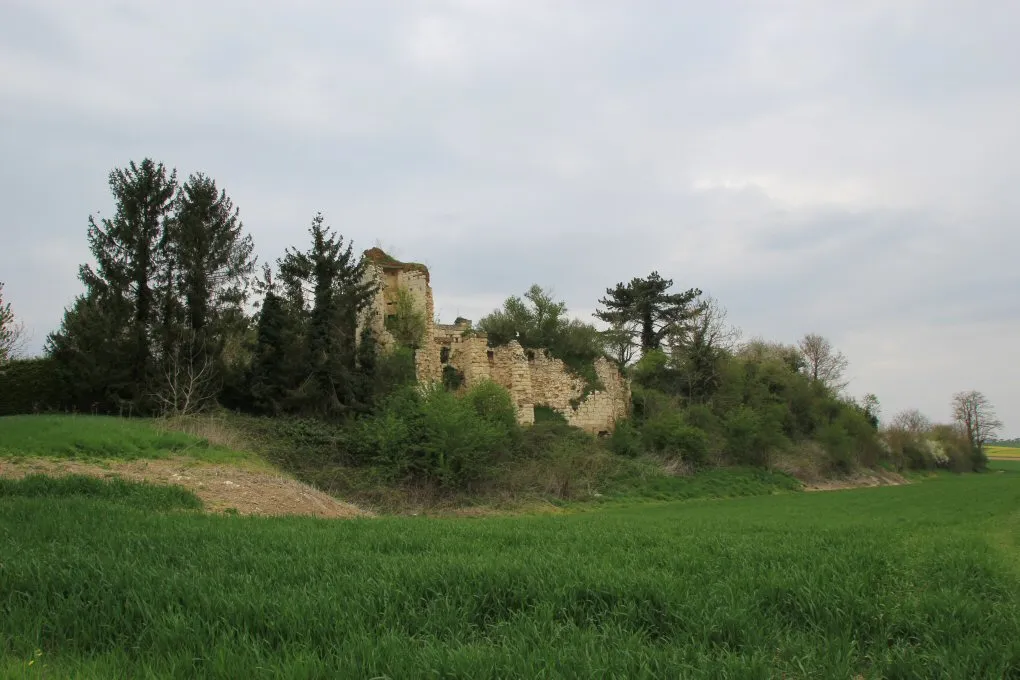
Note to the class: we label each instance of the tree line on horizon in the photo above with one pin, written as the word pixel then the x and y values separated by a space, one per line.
pixel 164 326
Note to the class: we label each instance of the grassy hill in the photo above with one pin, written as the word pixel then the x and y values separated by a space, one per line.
pixel 109 438
pixel 311 452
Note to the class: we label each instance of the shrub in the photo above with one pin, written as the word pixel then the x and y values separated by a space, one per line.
pixel 456 441
pixel 393 370
pixel 649 403
pixel 668 433
pixel 435 435
pixel 29 386
pixel 839 447
pixel 536 441
pixel 865 445
pixel 453 379
pixel 956 448
pixel 742 425
pixel 493 403
pixel 702 417
pixel 626 440
pixel 408 323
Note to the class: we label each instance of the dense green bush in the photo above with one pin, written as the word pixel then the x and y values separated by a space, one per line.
pixel 648 402
pixel 493 403
pixel 839 447
pixel 669 434
pixel 540 438
pixel 453 378
pixel 752 436
pixel 626 440
pixel 436 436
pixel 394 369
pixel 29 386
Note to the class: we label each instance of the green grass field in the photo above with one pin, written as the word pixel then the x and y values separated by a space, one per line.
pixel 895 582
pixel 104 438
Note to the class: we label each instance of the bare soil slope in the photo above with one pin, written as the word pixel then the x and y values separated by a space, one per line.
pixel 858 480
pixel 221 488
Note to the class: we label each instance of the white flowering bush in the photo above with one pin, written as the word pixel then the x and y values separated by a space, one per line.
pixel 937 451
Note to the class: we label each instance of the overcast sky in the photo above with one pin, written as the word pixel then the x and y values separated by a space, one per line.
pixel 845 168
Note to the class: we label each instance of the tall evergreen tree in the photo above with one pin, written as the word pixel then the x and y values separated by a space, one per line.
pixel 269 376
pixel 212 257
pixel 648 310
pixel 120 303
pixel 88 352
pixel 206 273
pixel 335 279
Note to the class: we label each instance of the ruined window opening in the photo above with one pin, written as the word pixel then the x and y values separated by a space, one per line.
pixel 530 354
pixel 444 355
pixel 491 356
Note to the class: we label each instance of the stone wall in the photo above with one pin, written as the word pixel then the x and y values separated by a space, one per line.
pixel 532 377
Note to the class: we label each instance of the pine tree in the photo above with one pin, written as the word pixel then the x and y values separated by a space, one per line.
pixel 206 270
pixel 336 281
pixel 269 376
pixel 648 311
pixel 88 352
pixel 111 328
pixel 212 257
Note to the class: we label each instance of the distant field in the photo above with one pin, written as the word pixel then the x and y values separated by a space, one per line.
pixel 894 582
pixel 1007 464
pixel 1002 452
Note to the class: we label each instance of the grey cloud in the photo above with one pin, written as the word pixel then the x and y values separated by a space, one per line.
pixel 847 168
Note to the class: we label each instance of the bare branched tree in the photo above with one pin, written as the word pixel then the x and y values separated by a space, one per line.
pixel 188 381
pixel 619 344
pixel 822 363
pixel 12 332
pixel 711 327
pixel 698 352
pixel 976 417
pixel 912 421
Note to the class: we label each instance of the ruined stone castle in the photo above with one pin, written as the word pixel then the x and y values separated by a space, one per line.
pixel 531 376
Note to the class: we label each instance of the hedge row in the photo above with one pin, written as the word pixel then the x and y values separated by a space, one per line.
pixel 29 386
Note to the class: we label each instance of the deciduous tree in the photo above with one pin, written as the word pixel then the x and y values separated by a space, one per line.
pixel 12 332
pixel 974 413
pixel 822 363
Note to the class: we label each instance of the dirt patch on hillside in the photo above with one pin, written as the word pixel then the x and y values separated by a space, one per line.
pixel 859 480
pixel 221 488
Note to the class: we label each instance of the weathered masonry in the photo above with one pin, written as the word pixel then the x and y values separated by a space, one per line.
pixel 532 377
